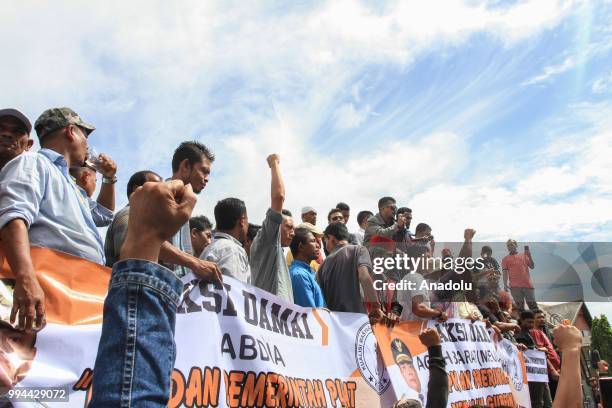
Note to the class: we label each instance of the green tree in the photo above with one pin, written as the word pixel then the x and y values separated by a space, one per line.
pixel 601 337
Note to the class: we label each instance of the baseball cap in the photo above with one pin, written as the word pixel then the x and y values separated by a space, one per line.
pixel 313 229
pixel 56 118
pixel 17 115
pixel 306 210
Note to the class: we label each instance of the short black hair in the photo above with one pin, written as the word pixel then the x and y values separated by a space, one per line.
pixel 333 210
pixel 363 215
pixel 422 227
pixel 385 201
pixel 138 179
pixel 486 249
pixel 200 222
pixel 300 237
pixel 403 210
pixel 253 230
pixel 537 311
pixel 343 206
pixel 193 152
pixel 227 212
pixel 286 213
pixel 527 314
pixel 338 230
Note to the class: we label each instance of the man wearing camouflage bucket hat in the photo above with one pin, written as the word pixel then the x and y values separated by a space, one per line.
pixel 41 206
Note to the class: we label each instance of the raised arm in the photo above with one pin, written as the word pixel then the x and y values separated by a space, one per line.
pixel 437 387
pixel 277 189
pixel 466 248
pixel 569 390
pixel 108 168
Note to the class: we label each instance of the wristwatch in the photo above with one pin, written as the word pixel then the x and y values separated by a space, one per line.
pixel 106 180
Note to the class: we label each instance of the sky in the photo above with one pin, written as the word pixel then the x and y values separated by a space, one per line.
pixel 491 115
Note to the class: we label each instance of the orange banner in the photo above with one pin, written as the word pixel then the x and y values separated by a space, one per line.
pixel 74 288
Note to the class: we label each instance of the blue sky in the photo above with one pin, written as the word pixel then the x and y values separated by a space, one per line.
pixel 494 115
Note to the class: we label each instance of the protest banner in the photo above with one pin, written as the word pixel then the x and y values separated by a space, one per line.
pixel 513 364
pixel 473 363
pixel 236 345
pixel 535 363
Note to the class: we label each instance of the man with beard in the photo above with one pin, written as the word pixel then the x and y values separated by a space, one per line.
pixel 191 164
pixel 15 131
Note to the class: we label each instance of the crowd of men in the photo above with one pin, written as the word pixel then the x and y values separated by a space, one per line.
pixel 46 200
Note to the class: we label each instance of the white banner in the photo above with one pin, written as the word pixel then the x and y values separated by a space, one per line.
pixel 535 362
pixel 513 364
pixel 473 364
pixel 236 346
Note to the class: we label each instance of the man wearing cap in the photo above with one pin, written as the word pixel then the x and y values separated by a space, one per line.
pixel 268 267
pixel 437 386
pixel 309 214
pixel 403 359
pixel 40 205
pixel 15 131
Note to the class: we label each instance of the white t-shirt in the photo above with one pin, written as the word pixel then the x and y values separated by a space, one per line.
pixel 405 296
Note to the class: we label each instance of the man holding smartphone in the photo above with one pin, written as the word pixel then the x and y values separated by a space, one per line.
pixel 515 269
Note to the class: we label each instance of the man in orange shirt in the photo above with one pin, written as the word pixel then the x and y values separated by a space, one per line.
pixel 515 268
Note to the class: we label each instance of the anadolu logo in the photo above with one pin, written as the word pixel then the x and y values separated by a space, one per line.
pixel 368 360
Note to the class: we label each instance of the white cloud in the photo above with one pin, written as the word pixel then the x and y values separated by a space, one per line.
pixel 253 79
pixel 551 71
pixel 347 117
pixel 603 84
pixel 534 200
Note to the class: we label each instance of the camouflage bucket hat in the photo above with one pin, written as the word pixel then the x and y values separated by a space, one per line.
pixel 56 118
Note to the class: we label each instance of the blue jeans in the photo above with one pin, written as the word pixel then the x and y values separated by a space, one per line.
pixel 137 350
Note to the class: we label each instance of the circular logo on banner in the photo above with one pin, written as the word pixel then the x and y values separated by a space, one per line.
pixel 368 360
pixel 512 366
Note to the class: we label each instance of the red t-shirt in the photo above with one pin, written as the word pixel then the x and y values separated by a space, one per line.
pixel 517 266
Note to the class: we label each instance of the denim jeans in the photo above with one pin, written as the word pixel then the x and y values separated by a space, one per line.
pixel 137 351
